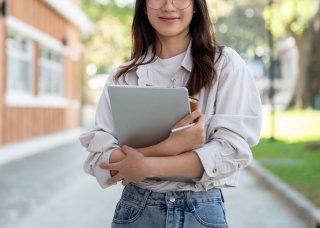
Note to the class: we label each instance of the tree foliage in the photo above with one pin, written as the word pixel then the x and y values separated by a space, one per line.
pixel 110 44
pixel 240 24
pixel 290 16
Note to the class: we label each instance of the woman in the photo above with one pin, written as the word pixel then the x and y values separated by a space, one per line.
pixel 174 45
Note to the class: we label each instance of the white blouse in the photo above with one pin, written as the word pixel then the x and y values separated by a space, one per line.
pixel 232 111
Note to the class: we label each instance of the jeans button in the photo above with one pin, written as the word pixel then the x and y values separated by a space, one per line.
pixel 172 199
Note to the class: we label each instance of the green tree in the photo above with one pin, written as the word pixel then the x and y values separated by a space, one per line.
pixel 240 24
pixel 301 20
pixel 110 43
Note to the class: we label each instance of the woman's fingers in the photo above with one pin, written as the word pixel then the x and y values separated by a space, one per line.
pixel 109 166
pixel 128 150
pixel 189 118
pixel 115 179
pixel 201 120
pixel 125 182
pixel 129 169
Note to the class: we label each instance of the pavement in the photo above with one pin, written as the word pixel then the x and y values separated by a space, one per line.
pixel 48 188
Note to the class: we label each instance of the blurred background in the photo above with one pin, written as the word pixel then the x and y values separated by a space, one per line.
pixel 55 57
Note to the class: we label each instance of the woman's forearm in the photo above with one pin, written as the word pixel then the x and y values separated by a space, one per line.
pixel 135 167
pixel 158 150
pixel 186 164
pixel 152 151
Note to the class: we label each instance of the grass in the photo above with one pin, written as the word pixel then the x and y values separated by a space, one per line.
pixel 295 154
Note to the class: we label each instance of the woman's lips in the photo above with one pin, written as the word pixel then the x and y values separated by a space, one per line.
pixel 169 19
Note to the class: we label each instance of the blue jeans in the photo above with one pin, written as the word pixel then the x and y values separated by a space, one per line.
pixel 141 208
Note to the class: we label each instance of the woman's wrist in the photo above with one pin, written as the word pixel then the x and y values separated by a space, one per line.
pixel 170 145
pixel 156 150
pixel 149 164
pixel 164 148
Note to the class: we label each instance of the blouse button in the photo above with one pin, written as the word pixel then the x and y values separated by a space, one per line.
pixel 172 199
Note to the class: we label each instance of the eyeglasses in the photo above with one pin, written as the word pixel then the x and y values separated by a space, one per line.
pixel 178 4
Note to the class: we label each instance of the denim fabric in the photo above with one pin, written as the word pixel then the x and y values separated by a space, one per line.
pixel 141 208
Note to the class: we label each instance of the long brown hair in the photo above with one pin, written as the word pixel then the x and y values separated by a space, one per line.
pixel 203 47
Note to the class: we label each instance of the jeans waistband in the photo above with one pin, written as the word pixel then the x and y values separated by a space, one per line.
pixel 141 197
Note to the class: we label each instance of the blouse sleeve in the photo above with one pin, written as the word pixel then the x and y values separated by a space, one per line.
pixel 235 125
pixel 101 140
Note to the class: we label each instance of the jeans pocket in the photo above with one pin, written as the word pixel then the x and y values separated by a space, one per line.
pixel 210 214
pixel 125 213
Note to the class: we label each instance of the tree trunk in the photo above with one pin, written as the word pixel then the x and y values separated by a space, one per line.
pixel 314 66
pixel 308 81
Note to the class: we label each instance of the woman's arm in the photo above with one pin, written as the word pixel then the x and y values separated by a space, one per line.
pixel 235 125
pixel 176 143
pixel 100 142
pixel 135 167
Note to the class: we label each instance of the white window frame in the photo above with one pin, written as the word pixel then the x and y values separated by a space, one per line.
pixel 52 66
pixel 30 100
pixel 20 55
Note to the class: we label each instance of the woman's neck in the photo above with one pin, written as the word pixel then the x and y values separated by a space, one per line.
pixel 169 47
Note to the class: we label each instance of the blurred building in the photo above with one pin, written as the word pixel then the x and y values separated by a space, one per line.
pixel 40 59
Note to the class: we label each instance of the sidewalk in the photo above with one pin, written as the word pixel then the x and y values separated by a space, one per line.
pixel 252 205
pixel 17 151
pixel 49 189
pixel 84 205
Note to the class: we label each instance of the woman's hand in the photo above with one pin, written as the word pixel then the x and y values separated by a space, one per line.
pixel 116 156
pixel 130 169
pixel 190 138
pixel 180 141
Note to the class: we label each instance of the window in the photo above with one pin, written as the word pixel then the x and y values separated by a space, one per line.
pixel 51 73
pixel 20 55
pixel 21 67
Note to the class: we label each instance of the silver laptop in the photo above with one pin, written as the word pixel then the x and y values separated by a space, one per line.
pixel 143 116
